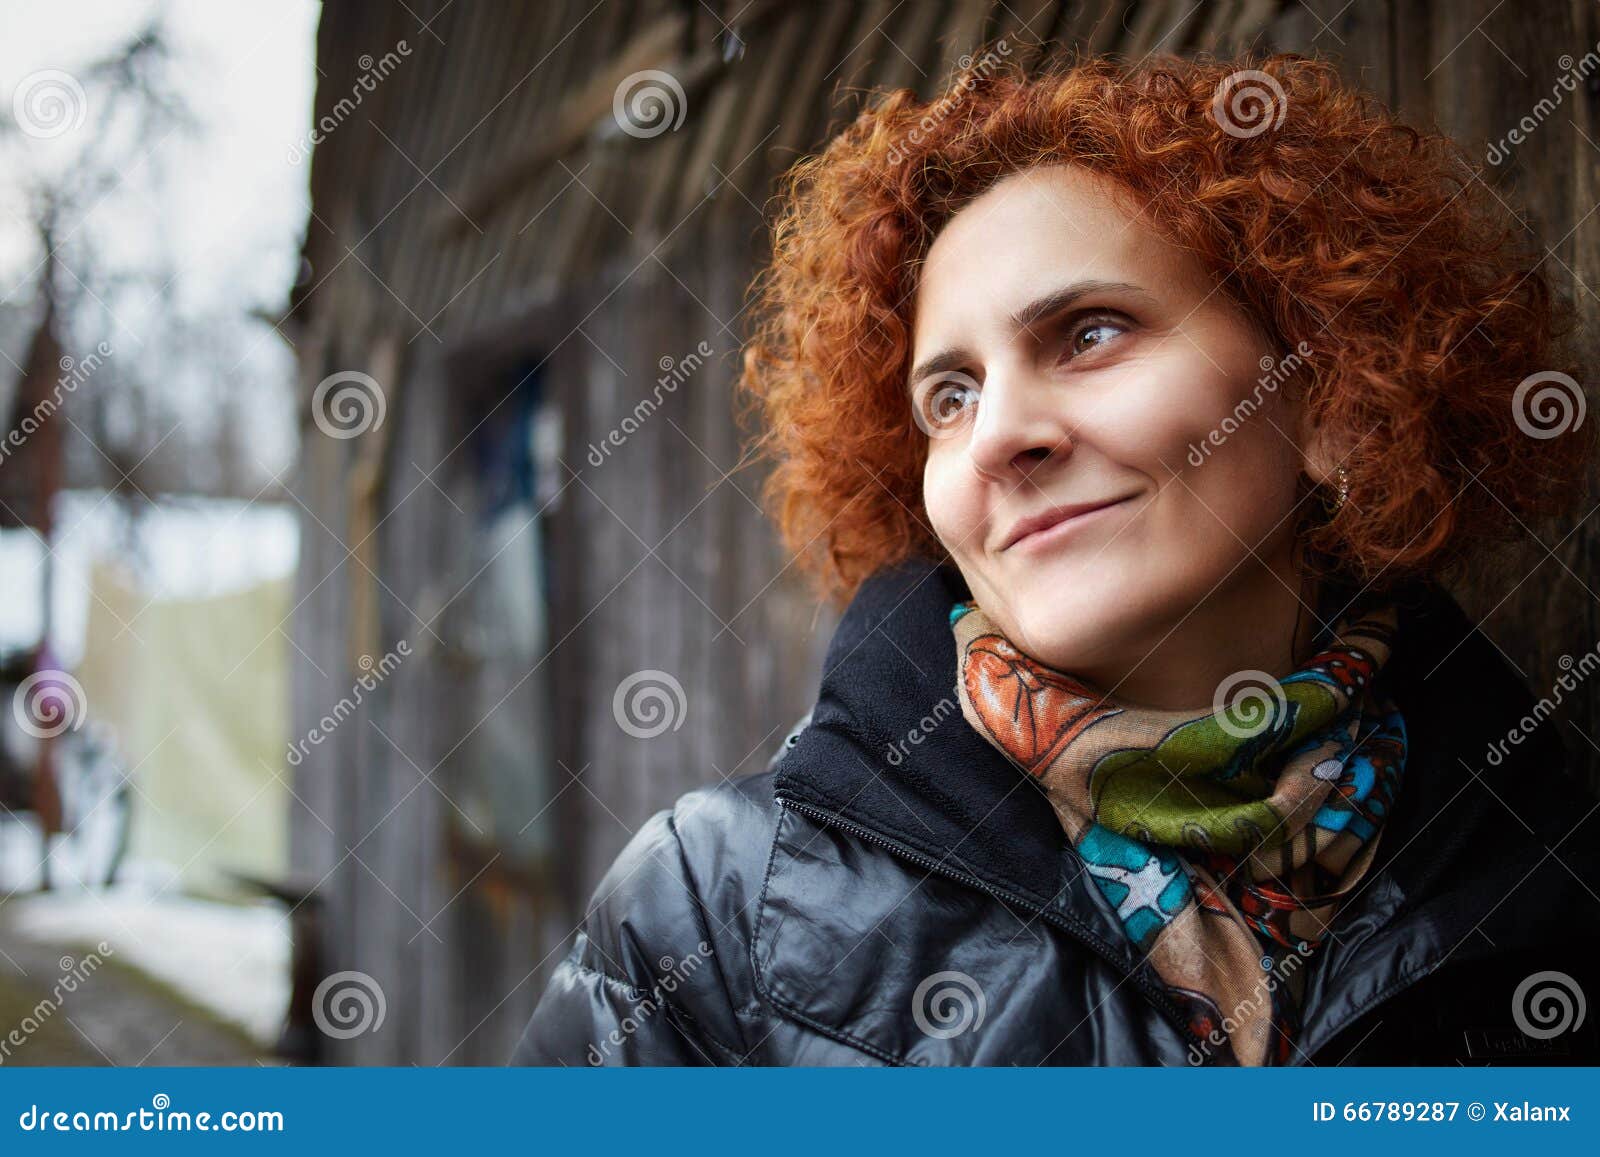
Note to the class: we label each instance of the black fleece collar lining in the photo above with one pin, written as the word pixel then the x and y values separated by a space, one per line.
pixel 888 750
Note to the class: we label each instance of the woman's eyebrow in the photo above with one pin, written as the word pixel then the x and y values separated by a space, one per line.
pixel 937 364
pixel 1057 300
pixel 1041 307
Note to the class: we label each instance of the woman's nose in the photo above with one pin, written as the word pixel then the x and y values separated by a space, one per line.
pixel 1018 426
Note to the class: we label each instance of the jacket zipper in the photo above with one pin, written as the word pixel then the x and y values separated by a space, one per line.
pixel 1153 993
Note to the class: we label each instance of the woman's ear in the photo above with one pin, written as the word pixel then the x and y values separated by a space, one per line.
pixel 1321 451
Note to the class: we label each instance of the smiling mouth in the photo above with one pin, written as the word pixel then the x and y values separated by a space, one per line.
pixel 1052 523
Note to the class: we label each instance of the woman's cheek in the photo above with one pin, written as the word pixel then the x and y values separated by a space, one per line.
pixel 952 507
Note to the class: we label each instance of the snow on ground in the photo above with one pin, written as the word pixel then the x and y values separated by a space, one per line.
pixel 231 959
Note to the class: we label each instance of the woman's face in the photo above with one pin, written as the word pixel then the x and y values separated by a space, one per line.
pixel 1067 356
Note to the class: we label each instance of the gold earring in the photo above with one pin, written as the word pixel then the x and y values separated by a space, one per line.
pixel 1343 476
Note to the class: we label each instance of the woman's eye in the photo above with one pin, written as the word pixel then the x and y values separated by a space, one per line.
pixel 944 401
pixel 1088 333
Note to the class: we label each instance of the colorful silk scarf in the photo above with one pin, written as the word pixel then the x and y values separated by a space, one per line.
pixel 1225 838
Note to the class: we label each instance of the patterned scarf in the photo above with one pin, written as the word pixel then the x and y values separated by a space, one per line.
pixel 1224 838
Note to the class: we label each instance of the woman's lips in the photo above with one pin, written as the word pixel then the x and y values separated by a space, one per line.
pixel 1047 529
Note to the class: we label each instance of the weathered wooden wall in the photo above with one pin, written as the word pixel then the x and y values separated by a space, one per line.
pixel 596 258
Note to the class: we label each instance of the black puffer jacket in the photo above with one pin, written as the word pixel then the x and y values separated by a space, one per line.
pixel 892 891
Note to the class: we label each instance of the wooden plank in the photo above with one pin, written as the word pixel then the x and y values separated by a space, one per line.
pixel 654 47
pixel 805 112
pixel 854 68
pixel 1583 283
pixel 767 77
pixel 1161 26
pixel 959 38
pixel 1026 27
pixel 523 112
pixel 904 56
pixel 460 151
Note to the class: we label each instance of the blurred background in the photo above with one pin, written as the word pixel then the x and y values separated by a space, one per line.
pixel 378 544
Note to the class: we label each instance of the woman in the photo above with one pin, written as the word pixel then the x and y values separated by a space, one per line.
pixel 1140 413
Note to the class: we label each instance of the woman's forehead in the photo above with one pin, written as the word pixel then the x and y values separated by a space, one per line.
pixel 1038 229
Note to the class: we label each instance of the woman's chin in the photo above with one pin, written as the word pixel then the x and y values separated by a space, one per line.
pixel 1075 634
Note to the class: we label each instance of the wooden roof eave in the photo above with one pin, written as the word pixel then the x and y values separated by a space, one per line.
pixel 587 116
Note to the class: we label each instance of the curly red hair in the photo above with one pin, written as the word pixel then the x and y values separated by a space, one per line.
pixel 1336 225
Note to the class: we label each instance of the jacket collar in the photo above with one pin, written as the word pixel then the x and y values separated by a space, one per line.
pixel 888 750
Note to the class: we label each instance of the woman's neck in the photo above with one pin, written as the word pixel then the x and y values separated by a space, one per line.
pixel 1265 623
